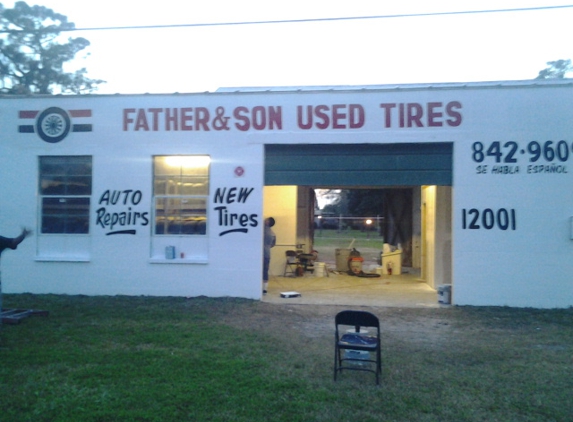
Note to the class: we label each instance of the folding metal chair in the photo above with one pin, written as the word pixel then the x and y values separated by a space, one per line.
pixel 361 347
pixel 291 264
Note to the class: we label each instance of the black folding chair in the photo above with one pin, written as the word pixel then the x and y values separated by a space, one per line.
pixel 292 263
pixel 361 347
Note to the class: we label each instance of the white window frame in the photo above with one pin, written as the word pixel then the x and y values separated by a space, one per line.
pixel 67 243
pixel 180 235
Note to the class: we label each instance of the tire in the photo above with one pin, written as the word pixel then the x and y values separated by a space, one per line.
pixel 53 125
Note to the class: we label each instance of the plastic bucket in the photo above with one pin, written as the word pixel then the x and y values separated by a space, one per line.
pixel 320 269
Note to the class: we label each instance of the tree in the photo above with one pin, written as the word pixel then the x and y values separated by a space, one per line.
pixel 365 202
pixel 556 70
pixel 32 55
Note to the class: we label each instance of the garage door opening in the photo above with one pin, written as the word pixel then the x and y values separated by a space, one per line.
pixel 415 179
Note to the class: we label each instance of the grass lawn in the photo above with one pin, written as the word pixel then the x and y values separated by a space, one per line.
pixel 200 359
pixel 342 239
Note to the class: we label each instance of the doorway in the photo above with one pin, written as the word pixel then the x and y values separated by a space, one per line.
pixel 293 171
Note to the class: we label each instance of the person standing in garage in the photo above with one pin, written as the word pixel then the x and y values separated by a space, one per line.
pixel 270 240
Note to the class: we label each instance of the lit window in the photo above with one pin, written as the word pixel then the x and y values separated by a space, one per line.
pixel 65 188
pixel 181 191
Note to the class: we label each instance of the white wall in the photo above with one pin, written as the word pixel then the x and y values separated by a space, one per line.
pixel 437 235
pixel 443 237
pixel 215 265
pixel 428 234
pixel 280 202
pixel 494 262
pixel 531 263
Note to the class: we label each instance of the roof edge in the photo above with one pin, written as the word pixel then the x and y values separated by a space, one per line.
pixel 331 88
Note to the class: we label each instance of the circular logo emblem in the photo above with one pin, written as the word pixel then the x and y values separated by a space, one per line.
pixel 53 125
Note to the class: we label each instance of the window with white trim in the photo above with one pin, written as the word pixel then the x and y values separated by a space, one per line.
pixel 65 188
pixel 181 193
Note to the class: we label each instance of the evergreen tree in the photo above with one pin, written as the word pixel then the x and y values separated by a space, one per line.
pixel 32 54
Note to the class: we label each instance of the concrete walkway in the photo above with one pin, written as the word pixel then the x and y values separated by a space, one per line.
pixel 404 290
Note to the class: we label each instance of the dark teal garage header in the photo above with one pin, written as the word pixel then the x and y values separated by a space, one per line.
pixel 359 164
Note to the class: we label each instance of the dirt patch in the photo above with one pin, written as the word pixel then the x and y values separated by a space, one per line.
pixel 430 327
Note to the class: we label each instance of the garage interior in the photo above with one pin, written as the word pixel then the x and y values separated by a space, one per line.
pixel 416 179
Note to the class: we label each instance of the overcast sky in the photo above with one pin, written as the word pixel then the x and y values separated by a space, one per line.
pixel 423 49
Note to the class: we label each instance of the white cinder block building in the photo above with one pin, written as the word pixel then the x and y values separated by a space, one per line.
pixel 166 194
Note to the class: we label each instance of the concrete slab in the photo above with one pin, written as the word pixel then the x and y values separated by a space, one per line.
pixel 406 290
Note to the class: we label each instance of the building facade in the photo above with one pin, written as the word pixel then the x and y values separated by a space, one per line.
pixel 166 194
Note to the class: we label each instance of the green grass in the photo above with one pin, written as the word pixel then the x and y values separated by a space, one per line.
pixel 200 359
pixel 342 239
